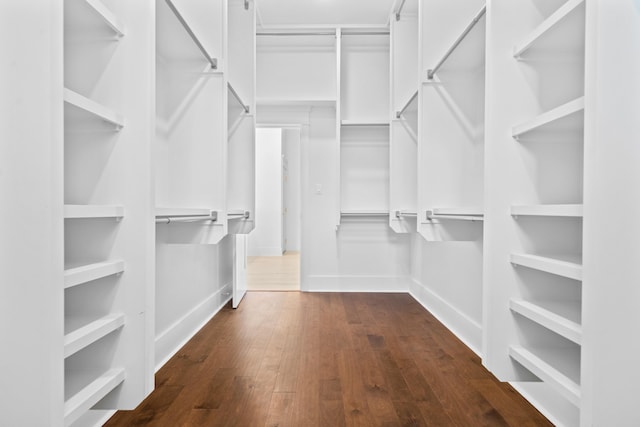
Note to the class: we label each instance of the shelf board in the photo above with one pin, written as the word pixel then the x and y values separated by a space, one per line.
pixel 563 318
pixel 566 266
pixel 90 108
pixel 309 102
pixel 165 211
pixel 91 14
pixel 559 368
pixel 567 117
pixel 77 275
pixel 93 211
pixel 83 390
pixel 84 333
pixel 548 210
pixel 374 122
pixel 563 30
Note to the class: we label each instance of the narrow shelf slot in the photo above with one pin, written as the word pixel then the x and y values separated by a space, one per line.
pixel 572 34
pixel 557 367
pixel 92 108
pixel 548 210
pixel 86 13
pixel 567 117
pixel 93 211
pixel 563 318
pixel 77 275
pixel 84 333
pixel 565 266
pixel 83 391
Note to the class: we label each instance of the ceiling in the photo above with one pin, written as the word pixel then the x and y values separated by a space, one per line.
pixel 282 13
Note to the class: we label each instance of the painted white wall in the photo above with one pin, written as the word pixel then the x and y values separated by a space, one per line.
pixel 266 239
pixel 292 188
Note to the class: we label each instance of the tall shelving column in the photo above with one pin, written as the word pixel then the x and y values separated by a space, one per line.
pixel 534 211
pixel 108 235
pixel 403 144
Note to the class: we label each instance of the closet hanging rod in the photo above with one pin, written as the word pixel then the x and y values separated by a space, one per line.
pixel 212 61
pixel 363 214
pixel 399 11
pixel 401 112
pixel 238 215
pixel 213 216
pixel 245 107
pixel 400 214
pixel 432 72
pixel 324 33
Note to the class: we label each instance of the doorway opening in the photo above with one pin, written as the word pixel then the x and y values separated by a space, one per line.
pixel 273 253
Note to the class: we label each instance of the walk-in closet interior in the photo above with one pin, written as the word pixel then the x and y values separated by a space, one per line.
pixel 480 156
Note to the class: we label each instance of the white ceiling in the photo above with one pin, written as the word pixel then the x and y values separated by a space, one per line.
pixel 281 13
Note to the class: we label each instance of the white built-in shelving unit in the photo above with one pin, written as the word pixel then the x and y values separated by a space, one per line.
pixel 533 265
pixel 107 207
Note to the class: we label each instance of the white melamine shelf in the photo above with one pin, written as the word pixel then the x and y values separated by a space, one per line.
pixel 183 211
pixel 84 389
pixel 83 332
pixel 561 317
pixel 315 102
pixel 563 30
pixel 558 367
pixel 548 210
pixel 77 275
pixel 93 211
pixel 91 108
pixel 566 266
pixel 91 13
pixel 365 123
pixel 567 117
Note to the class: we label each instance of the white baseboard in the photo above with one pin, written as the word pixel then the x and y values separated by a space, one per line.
pixel 322 283
pixel 466 329
pixel 168 342
pixel 265 251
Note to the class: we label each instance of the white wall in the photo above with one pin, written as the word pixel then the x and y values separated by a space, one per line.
pixel 292 188
pixel 266 238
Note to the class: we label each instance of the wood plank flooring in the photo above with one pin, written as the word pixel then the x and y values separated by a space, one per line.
pixel 328 359
pixel 274 273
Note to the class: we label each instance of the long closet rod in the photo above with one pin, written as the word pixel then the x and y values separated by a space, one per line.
pixel 401 112
pixel 399 11
pixel 209 58
pixel 245 107
pixel 238 215
pixel 400 214
pixel 324 33
pixel 479 15
pixel 213 216
pixel 363 214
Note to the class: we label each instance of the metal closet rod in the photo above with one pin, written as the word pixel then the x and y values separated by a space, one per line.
pixel 401 112
pixel 212 61
pixel 400 214
pixel 432 72
pixel 213 216
pixel 324 33
pixel 399 11
pixel 245 107
pixel 238 215
pixel 363 214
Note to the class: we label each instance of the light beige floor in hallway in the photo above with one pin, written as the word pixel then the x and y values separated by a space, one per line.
pixel 274 273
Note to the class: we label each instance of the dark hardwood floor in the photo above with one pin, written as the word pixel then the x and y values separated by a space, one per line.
pixel 319 359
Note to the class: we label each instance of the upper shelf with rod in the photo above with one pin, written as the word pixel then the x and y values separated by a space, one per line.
pixel 176 38
pixel 469 48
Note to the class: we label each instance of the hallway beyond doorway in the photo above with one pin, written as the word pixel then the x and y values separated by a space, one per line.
pixel 274 273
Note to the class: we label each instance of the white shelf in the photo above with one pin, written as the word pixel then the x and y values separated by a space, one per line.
pixel 548 210
pixel 566 266
pixel 82 14
pixel 562 318
pixel 93 211
pixel 84 389
pixel 378 122
pixel 567 117
pixel 90 108
pixel 183 211
pixel 563 30
pixel 315 102
pixel 84 333
pixel 76 275
pixel 559 368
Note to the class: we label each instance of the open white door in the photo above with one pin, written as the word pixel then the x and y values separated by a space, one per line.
pixel 239 268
